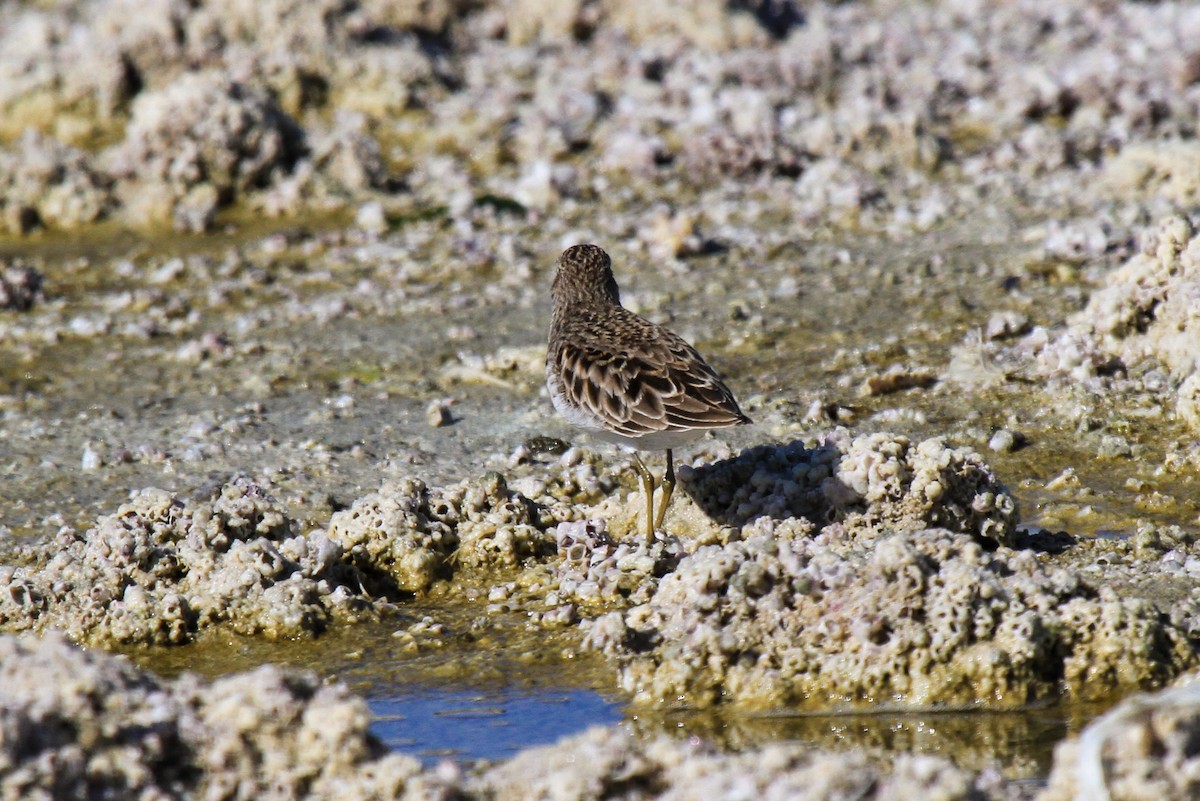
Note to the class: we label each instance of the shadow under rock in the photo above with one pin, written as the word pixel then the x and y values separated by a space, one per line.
pixel 1043 540
pixel 768 481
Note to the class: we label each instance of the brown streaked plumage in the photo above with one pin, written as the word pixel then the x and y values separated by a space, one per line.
pixel 625 379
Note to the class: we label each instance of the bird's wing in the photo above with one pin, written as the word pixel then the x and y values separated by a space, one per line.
pixel 664 388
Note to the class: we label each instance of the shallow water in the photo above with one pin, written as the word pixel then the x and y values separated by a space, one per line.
pixel 1020 742
pixel 464 724
pixel 485 700
pixel 492 722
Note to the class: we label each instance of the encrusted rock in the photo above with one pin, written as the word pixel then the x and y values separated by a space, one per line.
pixel 203 133
pixel 926 617
pixel 59 76
pixel 44 183
pixel 865 484
pixel 83 724
pixel 1147 309
pixel 407 535
pixel 1143 748
pixel 159 570
pixel 594 568
pixel 588 766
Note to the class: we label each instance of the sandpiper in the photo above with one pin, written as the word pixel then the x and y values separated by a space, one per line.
pixel 625 379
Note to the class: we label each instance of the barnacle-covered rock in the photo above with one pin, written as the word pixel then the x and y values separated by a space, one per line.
pixel 198 144
pixel 581 476
pixel 402 534
pixel 924 617
pixel 1148 309
pixel 84 724
pixel 594 568
pixel 343 161
pixel 159 570
pixel 45 183
pixel 589 765
pixel 1143 748
pixel 496 526
pixel 59 76
pixel 408 535
pixel 864 485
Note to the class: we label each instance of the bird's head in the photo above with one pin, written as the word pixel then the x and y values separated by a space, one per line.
pixel 585 274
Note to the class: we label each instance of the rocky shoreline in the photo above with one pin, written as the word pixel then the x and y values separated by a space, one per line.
pixel 273 299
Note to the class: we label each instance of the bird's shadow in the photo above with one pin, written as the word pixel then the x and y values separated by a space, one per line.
pixel 766 481
pixel 791 481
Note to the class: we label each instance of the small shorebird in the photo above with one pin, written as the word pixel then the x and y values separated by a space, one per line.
pixel 625 379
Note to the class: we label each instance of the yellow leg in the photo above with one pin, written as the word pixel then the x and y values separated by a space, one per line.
pixel 668 485
pixel 648 488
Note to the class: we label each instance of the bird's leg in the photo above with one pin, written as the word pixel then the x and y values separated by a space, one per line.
pixel 648 488
pixel 668 485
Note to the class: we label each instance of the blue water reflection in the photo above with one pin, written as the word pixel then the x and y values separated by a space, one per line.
pixel 465 725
